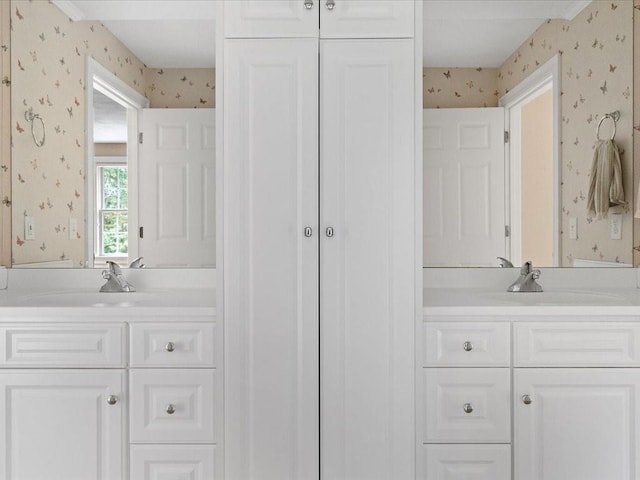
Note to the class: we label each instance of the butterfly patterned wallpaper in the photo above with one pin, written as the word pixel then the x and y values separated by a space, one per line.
pixel 596 49
pixel 48 54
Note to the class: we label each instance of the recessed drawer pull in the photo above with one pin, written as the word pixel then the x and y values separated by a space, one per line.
pixel 468 408
pixel 468 346
pixel 527 400
pixel 170 347
pixel 112 399
pixel 171 409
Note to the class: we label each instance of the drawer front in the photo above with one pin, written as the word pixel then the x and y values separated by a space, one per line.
pixel 163 462
pixel 173 345
pixel 576 344
pixel 174 405
pixel 467 462
pixel 60 345
pixel 466 405
pixel 467 344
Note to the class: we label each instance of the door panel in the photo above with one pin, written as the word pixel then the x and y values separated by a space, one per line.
pixel 367 266
pixel 464 186
pixel 271 270
pixel 275 18
pixel 366 19
pixel 176 188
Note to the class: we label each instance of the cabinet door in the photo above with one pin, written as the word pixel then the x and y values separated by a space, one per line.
pixel 271 259
pixel 580 424
pixel 367 260
pixel 366 18
pixel 58 425
pixel 273 18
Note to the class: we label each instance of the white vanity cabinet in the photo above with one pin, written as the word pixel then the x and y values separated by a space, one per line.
pixel 319 242
pixel 67 422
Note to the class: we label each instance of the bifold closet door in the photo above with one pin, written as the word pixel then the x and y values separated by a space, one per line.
pixel 271 259
pixel 367 191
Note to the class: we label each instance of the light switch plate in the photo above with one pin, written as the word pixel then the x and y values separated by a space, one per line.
pixel 573 228
pixel 73 229
pixel 29 228
pixel 615 222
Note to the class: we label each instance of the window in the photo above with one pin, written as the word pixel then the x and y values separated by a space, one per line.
pixel 113 215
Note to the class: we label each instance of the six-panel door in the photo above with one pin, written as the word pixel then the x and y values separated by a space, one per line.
pixel 62 424
pixel 576 424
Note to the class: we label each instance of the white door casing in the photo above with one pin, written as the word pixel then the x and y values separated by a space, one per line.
pixel 177 188
pixel 271 267
pixel 367 266
pixel 464 187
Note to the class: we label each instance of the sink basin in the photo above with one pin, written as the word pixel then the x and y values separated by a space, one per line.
pixel 553 298
pixel 93 299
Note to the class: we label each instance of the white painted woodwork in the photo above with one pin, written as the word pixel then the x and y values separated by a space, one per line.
pixel 62 345
pixel 447 390
pixel 467 462
pixel 275 18
pixel 174 462
pixel 177 187
pixel 367 19
pixel 174 345
pixel 582 344
pixel 367 267
pixel 464 187
pixel 271 268
pixel 460 344
pixel 582 424
pixel 57 425
pixel 193 393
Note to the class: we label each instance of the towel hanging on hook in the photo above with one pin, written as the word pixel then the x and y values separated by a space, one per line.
pixel 614 116
pixel 30 117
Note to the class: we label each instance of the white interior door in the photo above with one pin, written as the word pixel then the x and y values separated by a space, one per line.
pixel 464 187
pixel 177 188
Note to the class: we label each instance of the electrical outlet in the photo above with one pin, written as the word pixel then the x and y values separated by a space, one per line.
pixel 573 228
pixel 73 229
pixel 29 228
pixel 615 222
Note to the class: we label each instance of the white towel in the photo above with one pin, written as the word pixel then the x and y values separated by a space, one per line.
pixel 605 189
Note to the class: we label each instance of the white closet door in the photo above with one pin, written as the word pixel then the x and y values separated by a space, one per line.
pixel 271 266
pixel 177 188
pixel 367 266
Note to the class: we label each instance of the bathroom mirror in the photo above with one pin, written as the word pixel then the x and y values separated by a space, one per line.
pixel 83 190
pixel 546 72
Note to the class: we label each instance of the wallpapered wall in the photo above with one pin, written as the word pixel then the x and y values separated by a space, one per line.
pixel 48 54
pixel 597 77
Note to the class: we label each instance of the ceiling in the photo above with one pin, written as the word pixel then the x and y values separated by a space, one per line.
pixel 181 33
pixel 109 120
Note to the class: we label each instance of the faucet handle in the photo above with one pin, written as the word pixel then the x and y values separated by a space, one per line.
pixel 137 263
pixel 526 267
pixel 504 263
pixel 114 268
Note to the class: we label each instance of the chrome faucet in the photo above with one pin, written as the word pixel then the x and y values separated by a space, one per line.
pixel 137 263
pixel 504 263
pixel 527 280
pixel 115 280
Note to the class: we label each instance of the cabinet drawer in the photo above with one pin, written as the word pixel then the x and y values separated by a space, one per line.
pixel 467 344
pixel 60 345
pixel 163 462
pixel 173 345
pixel 576 344
pixel 173 405
pixel 467 462
pixel 466 405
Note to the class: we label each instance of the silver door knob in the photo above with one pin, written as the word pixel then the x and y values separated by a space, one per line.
pixel 526 399
pixel 308 4
pixel 467 407
pixel 112 399
pixel 170 347
pixel 330 232
pixel 331 4
pixel 468 346
pixel 171 409
pixel 308 231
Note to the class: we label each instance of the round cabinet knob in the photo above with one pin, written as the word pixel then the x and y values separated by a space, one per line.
pixel 170 347
pixel 468 346
pixel 171 409
pixel 526 399
pixel 467 407
pixel 330 232
pixel 112 399
pixel 308 4
pixel 331 4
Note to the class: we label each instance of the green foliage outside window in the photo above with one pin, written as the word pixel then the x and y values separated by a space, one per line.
pixel 113 211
